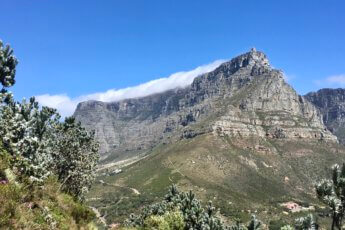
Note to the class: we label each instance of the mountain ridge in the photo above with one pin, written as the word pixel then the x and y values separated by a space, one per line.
pixel 242 97
pixel 331 104
pixel 239 136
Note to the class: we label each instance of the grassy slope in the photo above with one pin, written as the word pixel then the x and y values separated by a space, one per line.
pixel 238 175
pixel 27 206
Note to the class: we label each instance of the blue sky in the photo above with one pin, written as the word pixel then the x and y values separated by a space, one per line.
pixel 71 49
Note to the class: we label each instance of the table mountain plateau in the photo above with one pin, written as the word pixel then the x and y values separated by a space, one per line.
pixel 241 98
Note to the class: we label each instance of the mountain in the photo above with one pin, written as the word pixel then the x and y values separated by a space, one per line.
pixel 331 103
pixel 239 136
pixel 241 98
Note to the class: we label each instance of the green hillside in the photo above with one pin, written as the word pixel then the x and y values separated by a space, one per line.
pixel 240 176
pixel 26 206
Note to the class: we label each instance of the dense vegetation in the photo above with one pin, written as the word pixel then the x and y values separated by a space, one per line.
pixel 46 166
pixel 26 205
pixel 332 193
pixel 182 211
pixel 186 212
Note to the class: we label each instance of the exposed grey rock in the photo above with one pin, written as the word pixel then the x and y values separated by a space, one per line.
pixel 331 103
pixel 241 98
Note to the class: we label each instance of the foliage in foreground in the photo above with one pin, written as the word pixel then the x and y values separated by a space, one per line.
pixel 24 205
pixel 39 144
pixel 46 166
pixel 8 63
pixel 332 193
pixel 182 211
pixel 193 215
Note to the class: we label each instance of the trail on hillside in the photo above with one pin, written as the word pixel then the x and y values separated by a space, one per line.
pixel 135 191
pixel 123 163
pixel 99 216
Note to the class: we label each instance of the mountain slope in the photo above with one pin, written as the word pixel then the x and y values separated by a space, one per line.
pixel 239 136
pixel 241 98
pixel 27 205
pixel 331 103
pixel 237 174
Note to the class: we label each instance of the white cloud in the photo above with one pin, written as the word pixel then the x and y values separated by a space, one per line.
pixel 67 105
pixel 336 80
pixel 64 104
pixel 332 81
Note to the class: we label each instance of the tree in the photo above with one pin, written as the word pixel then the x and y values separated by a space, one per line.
pixel 194 215
pixel 28 134
pixel 332 193
pixel 306 223
pixel 238 226
pixel 76 157
pixel 254 223
pixel 8 63
pixel 168 221
pixel 39 144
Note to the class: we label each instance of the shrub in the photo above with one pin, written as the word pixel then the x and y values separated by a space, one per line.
pixel 171 220
pixel 82 214
pixel 194 215
pixel 76 158
pixel 10 197
pixel 8 63
pixel 39 144
pixel 332 193
pixel 306 223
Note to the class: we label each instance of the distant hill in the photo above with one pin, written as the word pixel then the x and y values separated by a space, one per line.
pixel 331 103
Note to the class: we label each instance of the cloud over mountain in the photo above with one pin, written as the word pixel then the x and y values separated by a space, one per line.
pixel 66 105
pixel 332 81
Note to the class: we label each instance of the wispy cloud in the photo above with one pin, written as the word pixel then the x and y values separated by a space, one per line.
pixel 337 80
pixel 332 81
pixel 66 105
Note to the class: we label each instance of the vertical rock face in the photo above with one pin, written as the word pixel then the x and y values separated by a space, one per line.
pixel 331 103
pixel 241 98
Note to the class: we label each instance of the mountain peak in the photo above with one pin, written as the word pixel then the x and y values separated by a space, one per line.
pixel 255 61
pixel 242 98
pixel 254 57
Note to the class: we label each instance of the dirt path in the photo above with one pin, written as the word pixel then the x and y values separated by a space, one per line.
pixel 135 191
pixel 123 163
pixel 99 216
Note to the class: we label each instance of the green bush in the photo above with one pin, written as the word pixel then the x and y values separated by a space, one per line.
pixel 276 224
pixel 169 221
pixel 190 208
pixel 40 145
pixel 156 223
pixel 82 214
pixel 10 198
pixel 286 227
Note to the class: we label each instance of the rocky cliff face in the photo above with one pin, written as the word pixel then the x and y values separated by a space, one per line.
pixel 241 98
pixel 331 103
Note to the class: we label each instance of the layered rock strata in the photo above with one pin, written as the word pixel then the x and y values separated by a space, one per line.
pixel 241 98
